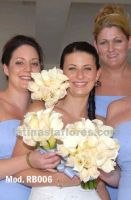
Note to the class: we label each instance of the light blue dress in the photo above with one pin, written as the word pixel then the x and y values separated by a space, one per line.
pixel 10 191
pixel 102 103
pixel 123 134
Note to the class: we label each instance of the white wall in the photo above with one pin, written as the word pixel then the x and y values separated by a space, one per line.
pixel 15 18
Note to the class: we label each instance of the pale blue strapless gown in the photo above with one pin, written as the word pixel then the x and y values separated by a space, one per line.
pixel 102 103
pixel 10 191
pixel 123 134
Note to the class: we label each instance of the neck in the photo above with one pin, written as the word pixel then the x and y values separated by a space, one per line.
pixel 19 99
pixel 115 71
pixel 76 106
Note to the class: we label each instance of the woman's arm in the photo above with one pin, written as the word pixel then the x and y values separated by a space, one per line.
pixel 22 162
pixel 102 191
pixel 43 161
pixel 35 177
pixel 111 178
pixel 12 165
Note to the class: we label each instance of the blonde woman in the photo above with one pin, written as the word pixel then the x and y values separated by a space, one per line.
pixel 112 40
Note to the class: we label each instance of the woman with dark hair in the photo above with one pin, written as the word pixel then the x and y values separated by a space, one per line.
pixel 21 56
pixel 80 63
pixel 87 48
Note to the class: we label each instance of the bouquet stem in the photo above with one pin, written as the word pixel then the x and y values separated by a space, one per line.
pixel 89 185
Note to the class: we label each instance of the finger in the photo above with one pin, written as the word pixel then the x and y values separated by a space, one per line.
pixel 49 155
pixel 51 160
pixel 51 170
pixel 51 166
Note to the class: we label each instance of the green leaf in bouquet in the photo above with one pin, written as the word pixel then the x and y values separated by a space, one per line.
pixel 48 144
pixel 89 185
pixel 52 142
pixel 45 145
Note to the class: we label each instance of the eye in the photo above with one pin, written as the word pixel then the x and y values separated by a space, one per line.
pixel 87 68
pixel 102 42
pixel 118 41
pixel 18 62
pixel 72 68
pixel 35 64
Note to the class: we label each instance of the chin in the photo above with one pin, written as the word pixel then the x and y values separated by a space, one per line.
pixel 79 94
pixel 79 91
pixel 24 87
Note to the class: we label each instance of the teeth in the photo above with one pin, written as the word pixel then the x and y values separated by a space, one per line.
pixel 80 84
pixel 26 77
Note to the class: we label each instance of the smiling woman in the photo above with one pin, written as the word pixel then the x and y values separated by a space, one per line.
pixel 112 40
pixel 24 61
pixel 21 56
pixel 81 71
pixel 82 66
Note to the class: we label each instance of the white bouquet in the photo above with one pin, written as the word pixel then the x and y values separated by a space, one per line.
pixel 87 146
pixel 49 86
pixel 38 128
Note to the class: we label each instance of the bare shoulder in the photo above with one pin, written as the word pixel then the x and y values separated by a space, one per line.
pixel 118 107
pixel 6 108
pixel 36 106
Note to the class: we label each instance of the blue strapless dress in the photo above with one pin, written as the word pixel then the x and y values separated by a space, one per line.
pixel 10 191
pixel 123 134
pixel 102 103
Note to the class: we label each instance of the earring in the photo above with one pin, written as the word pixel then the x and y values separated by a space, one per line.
pixel 97 84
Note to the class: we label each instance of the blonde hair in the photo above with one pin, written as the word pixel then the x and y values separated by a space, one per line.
pixel 111 15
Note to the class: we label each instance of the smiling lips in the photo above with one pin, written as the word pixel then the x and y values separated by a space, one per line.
pixel 113 56
pixel 80 84
pixel 27 78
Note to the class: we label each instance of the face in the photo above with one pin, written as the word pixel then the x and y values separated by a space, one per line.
pixel 81 70
pixel 112 46
pixel 24 60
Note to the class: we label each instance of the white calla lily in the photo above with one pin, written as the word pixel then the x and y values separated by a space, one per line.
pixel 49 86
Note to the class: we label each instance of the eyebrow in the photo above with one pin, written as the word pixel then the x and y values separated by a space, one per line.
pixel 25 59
pixel 86 65
pixel 116 37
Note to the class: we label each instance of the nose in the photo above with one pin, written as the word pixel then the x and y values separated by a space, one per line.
pixel 28 67
pixel 110 46
pixel 80 74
